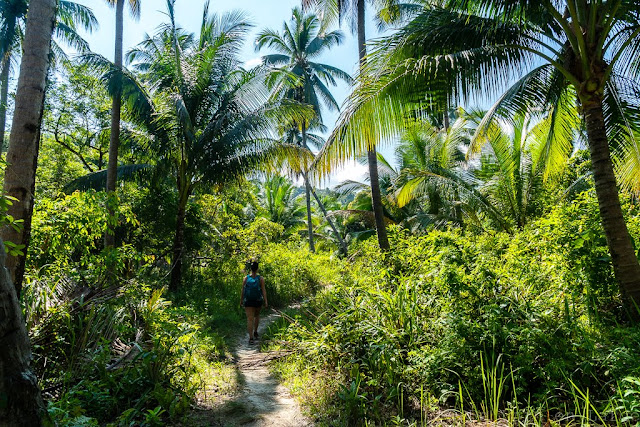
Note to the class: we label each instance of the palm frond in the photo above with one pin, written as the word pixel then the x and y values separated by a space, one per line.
pixel 350 187
pixel 73 13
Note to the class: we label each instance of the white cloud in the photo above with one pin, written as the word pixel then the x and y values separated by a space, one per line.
pixel 352 171
pixel 252 62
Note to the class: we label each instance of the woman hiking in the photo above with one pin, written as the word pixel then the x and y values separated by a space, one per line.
pixel 253 297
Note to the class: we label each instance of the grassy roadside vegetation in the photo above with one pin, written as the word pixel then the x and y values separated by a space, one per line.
pixel 524 328
pixel 111 345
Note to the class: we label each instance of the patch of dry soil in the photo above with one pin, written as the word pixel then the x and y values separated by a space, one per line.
pixel 261 401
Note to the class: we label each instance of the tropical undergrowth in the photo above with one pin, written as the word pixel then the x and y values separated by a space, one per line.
pixel 110 344
pixel 527 327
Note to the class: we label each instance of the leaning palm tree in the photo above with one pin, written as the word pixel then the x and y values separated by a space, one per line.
pixel 562 53
pixel 114 139
pixel 211 120
pixel 22 402
pixel 302 41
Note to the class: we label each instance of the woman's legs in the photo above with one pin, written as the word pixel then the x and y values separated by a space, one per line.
pixel 256 320
pixel 250 320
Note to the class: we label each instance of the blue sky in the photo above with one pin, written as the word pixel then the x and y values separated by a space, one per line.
pixel 262 14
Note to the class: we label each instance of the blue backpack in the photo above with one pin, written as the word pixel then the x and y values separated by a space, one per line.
pixel 252 289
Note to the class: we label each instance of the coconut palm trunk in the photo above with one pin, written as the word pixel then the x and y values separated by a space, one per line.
pixel 22 156
pixel 372 157
pixel 623 257
pixel 114 141
pixel 307 190
pixel 21 401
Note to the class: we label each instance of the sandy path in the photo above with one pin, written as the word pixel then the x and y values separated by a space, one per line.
pixel 262 400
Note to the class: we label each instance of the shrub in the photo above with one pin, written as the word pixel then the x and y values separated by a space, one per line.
pixel 134 359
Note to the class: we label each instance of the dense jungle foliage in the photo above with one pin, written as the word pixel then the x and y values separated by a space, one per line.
pixel 508 292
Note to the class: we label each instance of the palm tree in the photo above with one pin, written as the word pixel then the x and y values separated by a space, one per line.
pixel 211 120
pixel 521 159
pixel 425 150
pixel 281 205
pixel 22 401
pixel 302 41
pixel 578 54
pixel 507 186
pixel 13 13
pixel 114 139
pixel 358 216
pixel 354 10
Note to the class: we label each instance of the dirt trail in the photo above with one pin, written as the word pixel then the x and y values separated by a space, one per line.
pixel 261 401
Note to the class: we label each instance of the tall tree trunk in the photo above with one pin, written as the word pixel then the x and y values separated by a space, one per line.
pixel 4 98
pixel 22 156
pixel 20 401
pixel 114 141
pixel 178 240
pixel 341 242
pixel 307 190
pixel 372 157
pixel 625 262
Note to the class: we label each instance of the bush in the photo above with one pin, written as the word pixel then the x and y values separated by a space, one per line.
pixel 294 274
pixel 133 359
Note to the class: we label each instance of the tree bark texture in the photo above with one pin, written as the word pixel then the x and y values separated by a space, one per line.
pixel 372 157
pixel 307 191
pixel 22 156
pixel 623 257
pixel 21 403
pixel 116 107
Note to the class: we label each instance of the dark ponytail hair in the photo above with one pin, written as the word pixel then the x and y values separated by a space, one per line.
pixel 254 266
